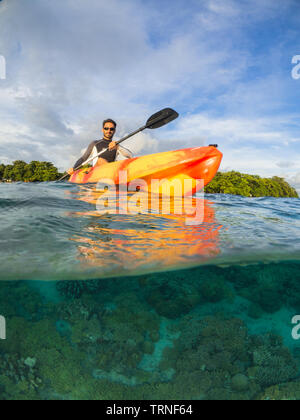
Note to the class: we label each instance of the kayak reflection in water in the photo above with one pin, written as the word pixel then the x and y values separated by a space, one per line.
pixel 113 153
pixel 144 239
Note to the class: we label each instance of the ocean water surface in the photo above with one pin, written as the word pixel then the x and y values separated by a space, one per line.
pixel 147 305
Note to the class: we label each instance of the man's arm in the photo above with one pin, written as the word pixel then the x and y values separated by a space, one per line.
pixel 86 155
pixel 125 152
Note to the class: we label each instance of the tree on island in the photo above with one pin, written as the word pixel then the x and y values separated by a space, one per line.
pixel 35 171
pixel 250 185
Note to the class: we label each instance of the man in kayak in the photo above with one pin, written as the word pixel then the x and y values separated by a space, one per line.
pixel 109 129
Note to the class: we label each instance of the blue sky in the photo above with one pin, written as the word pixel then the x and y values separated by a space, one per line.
pixel 224 65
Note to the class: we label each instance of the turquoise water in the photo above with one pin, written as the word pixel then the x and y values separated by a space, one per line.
pixel 146 306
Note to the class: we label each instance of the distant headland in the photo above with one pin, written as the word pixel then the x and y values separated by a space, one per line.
pixel 246 185
pixel 35 171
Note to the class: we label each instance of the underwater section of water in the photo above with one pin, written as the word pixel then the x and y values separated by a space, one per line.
pixel 147 306
pixel 203 333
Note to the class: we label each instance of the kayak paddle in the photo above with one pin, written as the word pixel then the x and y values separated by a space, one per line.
pixel 161 118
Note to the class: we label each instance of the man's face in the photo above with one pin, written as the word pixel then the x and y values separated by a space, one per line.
pixel 109 131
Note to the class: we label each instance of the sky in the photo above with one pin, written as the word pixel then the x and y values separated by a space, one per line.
pixel 224 65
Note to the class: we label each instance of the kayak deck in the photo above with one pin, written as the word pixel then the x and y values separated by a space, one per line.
pixel 191 168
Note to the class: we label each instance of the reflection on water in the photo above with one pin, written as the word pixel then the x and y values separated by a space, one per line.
pixel 158 235
pixel 58 231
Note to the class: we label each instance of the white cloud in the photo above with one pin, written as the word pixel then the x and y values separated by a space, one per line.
pixel 285 164
pixel 220 15
pixel 267 131
pixel 295 181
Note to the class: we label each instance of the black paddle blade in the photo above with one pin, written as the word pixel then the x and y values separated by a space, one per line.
pixel 162 118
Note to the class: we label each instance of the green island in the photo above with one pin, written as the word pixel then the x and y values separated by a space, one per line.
pixel 35 171
pixel 236 183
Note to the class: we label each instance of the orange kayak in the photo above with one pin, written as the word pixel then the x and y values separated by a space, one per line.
pixel 189 168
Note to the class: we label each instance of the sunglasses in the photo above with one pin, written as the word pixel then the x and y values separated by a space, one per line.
pixel 109 128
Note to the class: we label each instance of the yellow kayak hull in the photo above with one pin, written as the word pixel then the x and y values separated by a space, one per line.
pixel 186 171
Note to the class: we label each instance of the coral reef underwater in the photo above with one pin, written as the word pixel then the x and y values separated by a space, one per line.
pixel 206 333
